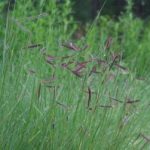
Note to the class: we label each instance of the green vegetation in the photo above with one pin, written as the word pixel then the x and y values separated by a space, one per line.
pixel 58 91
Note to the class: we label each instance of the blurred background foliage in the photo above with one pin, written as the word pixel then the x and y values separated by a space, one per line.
pixel 126 21
pixel 85 10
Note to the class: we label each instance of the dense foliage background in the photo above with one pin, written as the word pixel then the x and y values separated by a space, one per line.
pixel 126 21
pixel 85 10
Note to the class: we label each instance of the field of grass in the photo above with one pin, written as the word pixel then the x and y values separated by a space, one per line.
pixel 62 92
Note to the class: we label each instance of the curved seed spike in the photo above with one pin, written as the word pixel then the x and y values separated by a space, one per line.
pixel 129 101
pixel 105 106
pixel 34 46
pixel 89 98
pixel 108 42
pixel 39 91
pixel 71 46
pixel 116 99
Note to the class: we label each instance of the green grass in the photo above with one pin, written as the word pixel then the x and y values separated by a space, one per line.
pixel 44 106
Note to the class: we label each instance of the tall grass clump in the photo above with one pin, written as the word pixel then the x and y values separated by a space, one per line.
pixel 130 35
pixel 60 93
